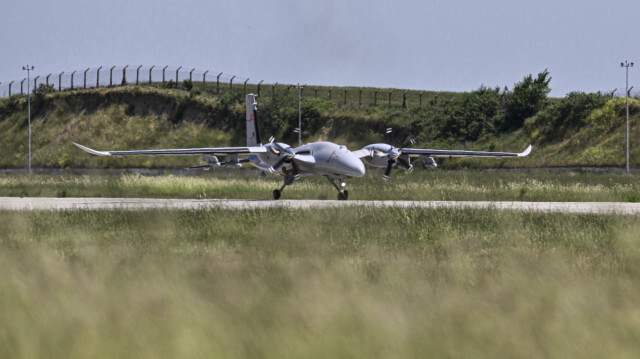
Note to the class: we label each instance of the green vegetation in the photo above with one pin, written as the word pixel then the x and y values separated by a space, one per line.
pixel 420 185
pixel 281 283
pixel 578 130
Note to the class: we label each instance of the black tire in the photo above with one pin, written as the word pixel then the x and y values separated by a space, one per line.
pixel 343 196
pixel 276 194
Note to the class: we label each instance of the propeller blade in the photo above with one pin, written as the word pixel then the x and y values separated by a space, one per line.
pixel 406 164
pixel 390 165
pixel 279 164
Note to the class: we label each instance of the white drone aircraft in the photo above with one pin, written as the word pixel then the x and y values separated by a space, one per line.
pixel 328 159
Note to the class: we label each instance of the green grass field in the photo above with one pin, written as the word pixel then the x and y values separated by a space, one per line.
pixel 431 184
pixel 281 283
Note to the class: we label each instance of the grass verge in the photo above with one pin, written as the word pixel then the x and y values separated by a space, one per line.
pixel 420 185
pixel 278 283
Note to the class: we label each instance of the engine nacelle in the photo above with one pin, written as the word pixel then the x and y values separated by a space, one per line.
pixel 428 161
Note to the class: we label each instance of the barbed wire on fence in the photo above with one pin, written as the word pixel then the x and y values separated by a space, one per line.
pixel 111 76
pixel 116 76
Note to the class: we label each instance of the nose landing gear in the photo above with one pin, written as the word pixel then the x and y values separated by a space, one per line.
pixel 343 194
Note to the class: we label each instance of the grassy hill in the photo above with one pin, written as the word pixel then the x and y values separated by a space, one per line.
pixel 579 130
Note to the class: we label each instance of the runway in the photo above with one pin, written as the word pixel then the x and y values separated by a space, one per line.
pixel 41 203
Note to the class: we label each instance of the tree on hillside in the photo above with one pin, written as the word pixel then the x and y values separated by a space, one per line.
pixel 528 97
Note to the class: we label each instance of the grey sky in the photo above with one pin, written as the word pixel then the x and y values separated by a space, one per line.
pixel 448 45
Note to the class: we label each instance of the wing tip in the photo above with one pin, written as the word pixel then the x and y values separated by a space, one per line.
pixel 92 151
pixel 526 152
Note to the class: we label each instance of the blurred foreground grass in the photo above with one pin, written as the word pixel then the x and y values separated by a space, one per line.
pixel 470 185
pixel 281 283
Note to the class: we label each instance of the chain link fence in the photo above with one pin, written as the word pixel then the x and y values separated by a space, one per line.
pixel 216 82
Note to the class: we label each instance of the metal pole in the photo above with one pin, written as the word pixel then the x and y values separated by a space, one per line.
pixel 60 81
pixel 110 76
pixel 163 70
pixel 245 85
pixel 299 115
pixel 218 83
pixel 85 78
pixel 231 82
pixel 627 64
pixel 204 77
pixel 138 75
pixel 124 75
pixel 98 77
pixel 177 72
pixel 73 73
pixel 10 83
pixel 29 68
pixel 191 75
pixel 151 69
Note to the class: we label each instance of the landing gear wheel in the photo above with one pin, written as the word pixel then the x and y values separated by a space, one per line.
pixel 276 194
pixel 343 196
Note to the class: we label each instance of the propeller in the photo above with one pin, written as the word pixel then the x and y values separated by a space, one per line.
pixel 392 153
pixel 287 154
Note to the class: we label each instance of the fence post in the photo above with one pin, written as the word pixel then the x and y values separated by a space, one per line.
pixel 35 83
pixel 191 75
pixel 390 98
pixel 330 93
pixel 260 88
pixel 231 82
pixel 421 93
pixel 204 77
pixel 85 78
pixel 150 70
pixel 245 85
pixel 138 75
pixel 163 70
pixel 60 81
pixel 98 77
pixel 405 105
pixel 21 86
pixel 73 73
pixel 10 83
pixel 375 98
pixel 218 83
pixel 111 76
pixel 124 75
pixel 316 93
pixel 49 75
pixel 360 98
pixel 273 89
pixel 177 72
pixel 345 97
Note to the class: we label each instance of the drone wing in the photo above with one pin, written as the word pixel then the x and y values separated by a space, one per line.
pixel 416 152
pixel 216 151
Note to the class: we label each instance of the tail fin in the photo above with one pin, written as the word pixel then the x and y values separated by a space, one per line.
pixel 253 131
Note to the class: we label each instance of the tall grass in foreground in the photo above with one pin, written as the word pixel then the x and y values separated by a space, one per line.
pixel 280 283
pixel 419 185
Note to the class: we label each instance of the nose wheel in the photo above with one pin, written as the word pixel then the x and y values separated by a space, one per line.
pixel 343 194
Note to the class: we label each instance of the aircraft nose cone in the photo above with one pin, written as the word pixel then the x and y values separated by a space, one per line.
pixel 355 167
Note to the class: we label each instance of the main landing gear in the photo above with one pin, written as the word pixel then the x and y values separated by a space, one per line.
pixel 343 194
pixel 288 179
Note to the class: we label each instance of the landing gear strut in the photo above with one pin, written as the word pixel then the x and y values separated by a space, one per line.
pixel 343 194
pixel 289 179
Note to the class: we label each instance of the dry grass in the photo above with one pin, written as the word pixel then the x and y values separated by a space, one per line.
pixel 281 283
